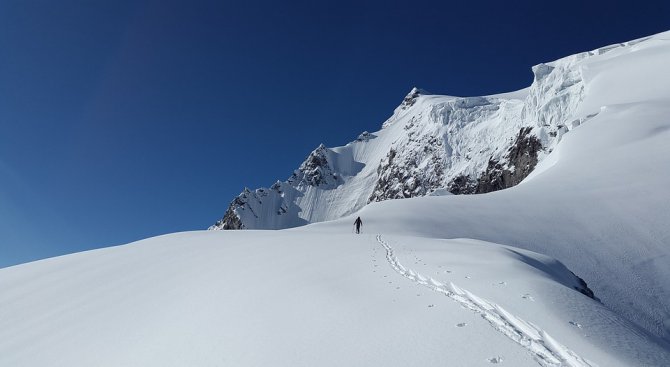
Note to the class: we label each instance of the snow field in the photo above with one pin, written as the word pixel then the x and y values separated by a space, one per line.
pixel 211 299
pixel 296 298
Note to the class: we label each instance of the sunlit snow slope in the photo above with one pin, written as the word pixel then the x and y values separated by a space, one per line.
pixel 457 280
pixel 307 298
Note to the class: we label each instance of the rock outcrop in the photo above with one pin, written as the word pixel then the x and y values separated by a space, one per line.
pixel 316 171
pixel 517 165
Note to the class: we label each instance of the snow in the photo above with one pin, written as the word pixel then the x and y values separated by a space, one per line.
pixel 608 223
pixel 302 298
pixel 436 139
pixel 630 74
pixel 456 280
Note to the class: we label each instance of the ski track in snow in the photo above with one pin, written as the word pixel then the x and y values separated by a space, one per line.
pixel 544 349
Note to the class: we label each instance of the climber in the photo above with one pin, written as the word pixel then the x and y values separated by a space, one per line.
pixel 358 223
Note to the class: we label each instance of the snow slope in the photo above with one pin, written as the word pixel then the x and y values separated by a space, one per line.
pixel 601 207
pixel 599 198
pixel 456 280
pixel 302 298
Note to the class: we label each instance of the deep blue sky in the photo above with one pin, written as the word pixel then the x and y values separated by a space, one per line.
pixel 121 120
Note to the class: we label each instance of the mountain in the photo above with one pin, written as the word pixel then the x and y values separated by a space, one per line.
pixel 570 267
pixel 431 144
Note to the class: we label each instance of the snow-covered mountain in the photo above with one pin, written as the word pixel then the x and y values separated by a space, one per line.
pixel 432 143
pixel 571 267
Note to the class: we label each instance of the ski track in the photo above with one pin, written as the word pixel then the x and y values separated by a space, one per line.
pixel 544 349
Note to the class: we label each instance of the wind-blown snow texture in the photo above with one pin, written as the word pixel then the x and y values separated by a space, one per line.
pixel 440 280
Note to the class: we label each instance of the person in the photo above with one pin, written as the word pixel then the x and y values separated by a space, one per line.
pixel 358 223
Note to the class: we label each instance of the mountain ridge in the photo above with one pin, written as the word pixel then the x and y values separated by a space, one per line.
pixel 431 143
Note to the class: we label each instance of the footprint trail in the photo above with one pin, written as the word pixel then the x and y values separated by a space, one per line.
pixel 544 349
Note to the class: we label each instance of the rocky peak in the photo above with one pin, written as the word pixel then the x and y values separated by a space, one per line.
pixel 316 171
pixel 463 145
pixel 365 136
pixel 411 97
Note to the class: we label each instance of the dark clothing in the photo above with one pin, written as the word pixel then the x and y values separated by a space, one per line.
pixel 358 223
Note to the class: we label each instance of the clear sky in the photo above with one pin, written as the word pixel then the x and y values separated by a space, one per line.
pixel 121 120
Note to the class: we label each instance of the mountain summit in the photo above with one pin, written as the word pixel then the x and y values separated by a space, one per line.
pixel 431 143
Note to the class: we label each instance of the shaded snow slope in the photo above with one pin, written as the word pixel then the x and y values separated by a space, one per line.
pixel 463 145
pixel 301 298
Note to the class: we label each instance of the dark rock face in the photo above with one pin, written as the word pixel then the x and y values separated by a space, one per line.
pixel 365 137
pixel 230 220
pixel 315 171
pixel 400 179
pixel 519 162
pixel 462 185
pixel 409 100
pixel 494 178
pixel 584 289
pixel 411 97
pixel 521 158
